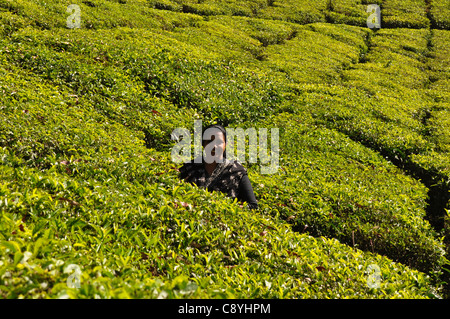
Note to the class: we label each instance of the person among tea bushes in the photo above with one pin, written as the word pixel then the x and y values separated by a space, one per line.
pixel 216 173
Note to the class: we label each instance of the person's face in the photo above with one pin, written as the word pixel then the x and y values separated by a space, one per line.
pixel 214 144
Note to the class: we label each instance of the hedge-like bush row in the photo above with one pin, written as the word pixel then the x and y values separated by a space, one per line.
pixel 85 145
pixel 353 12
pixel 114 208
pixel 405 14
pixel 346 191
pixel 439 14
pixel 169 241
pixel 301 12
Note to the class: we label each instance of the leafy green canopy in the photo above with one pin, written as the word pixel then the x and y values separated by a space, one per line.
pixel 86 177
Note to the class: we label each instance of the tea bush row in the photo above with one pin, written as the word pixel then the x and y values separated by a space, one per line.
pixel 86 159
pixel 329 185
pixel 168 240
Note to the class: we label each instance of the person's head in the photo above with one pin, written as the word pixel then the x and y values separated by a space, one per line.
pixel 214 143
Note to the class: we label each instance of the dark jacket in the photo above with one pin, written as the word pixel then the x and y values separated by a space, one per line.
pixel 229 177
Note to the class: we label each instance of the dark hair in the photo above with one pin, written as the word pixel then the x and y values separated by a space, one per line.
pixel 220 128
pixel 217 126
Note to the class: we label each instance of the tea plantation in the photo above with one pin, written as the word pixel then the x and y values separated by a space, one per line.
pixel 91 205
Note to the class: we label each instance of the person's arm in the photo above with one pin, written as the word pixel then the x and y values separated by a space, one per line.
pixel 246 193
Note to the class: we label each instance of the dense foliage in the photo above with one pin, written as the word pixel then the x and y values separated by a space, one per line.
pixel 86 176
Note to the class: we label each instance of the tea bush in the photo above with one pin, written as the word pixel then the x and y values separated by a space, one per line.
pixel 161 241
pixel 347 192
pixel 405 14
pixel 353 12
pixel 301 12
pixel 439 13
pixel 85 140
